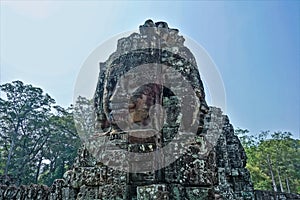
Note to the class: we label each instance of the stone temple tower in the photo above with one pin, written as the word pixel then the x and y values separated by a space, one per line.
pixel 156 136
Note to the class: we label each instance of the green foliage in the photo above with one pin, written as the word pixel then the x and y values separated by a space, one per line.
pixel 276 154
pixel 38 141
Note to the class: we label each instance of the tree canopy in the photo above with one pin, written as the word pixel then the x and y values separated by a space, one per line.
pixel 38 139
pixel 273 160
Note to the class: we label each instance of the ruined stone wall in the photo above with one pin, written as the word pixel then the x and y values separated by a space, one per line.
pixel 59 190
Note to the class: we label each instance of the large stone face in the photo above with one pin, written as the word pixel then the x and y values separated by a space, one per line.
pixel 158 49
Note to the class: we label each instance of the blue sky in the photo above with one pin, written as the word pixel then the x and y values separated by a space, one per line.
pixel 255 46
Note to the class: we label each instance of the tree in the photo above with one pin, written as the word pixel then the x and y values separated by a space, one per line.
pixel 24 128
pixel 273 160
pixel 61 148
pixel 29 126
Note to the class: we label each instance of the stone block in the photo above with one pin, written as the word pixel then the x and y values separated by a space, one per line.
pixel 152 192
pixel 197 193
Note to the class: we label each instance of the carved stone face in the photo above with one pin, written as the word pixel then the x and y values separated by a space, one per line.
pixel 139 109
pixel 141 102
pixel 149 97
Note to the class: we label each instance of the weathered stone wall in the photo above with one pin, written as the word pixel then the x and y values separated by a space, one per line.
pixel 158 191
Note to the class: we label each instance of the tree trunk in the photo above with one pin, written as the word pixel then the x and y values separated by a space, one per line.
pixel 287 185
pixel 272 175
pixel 38 170
pixel 279 178
pixel 11 148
